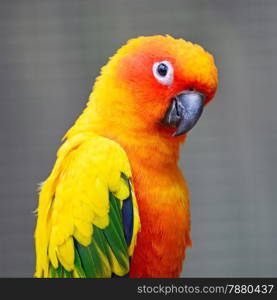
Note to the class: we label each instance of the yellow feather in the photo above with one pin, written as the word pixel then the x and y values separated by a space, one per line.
pixel 75 196
pixel 76 274
pixel 52 256
pixel 136 227
pixel 66 254
pixel 113 179
pixel 123 191
pixel 116 267
pixel 84 227
pixel 106 264
pixel 101 222
pixel 100 195
pixel 83 240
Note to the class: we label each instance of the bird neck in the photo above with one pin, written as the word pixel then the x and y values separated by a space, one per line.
pixel 149 145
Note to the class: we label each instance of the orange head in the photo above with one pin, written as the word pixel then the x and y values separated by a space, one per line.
pixel 156 83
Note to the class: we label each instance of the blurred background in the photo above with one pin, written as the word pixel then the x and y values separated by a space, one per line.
pixel 50 54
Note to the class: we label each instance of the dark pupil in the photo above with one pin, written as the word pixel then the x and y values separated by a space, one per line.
pixel 162 69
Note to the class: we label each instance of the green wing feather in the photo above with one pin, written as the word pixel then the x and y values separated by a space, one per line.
pixel 107 244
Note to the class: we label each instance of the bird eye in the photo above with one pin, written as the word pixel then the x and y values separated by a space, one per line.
pixel 162 69
pixel 163 72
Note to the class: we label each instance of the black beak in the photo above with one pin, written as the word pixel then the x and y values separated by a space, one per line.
pixel 184 111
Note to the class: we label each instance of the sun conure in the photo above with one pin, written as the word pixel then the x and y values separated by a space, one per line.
pixel 116 202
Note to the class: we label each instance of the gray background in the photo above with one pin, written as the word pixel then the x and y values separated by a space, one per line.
pixel 51 52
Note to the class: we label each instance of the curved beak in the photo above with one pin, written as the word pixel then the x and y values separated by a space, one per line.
pixel 184 111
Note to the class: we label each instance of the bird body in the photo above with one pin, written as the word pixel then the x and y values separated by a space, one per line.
pixel 116 202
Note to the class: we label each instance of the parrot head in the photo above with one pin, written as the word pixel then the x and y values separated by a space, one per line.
pixel 153 85
pixel 164 82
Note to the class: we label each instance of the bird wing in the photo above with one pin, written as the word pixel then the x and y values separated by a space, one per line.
pixel 87 214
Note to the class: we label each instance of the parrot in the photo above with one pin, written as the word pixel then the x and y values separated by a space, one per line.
pixel 116 203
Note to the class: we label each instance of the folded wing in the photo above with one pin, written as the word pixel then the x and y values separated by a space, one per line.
pixel 87 215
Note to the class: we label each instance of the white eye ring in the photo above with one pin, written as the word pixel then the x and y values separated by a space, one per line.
pixel 165 77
